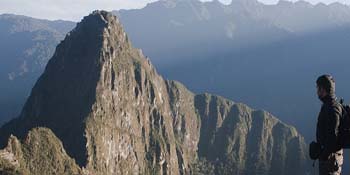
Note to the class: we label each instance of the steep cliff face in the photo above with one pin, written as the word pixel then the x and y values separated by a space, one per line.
pixel 247 141
pixel 115 115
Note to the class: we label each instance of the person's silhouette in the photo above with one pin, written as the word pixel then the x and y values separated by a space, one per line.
pixel 331 157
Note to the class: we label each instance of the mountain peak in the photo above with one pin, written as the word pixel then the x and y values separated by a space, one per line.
pixel 103 22
pixel 116 115
pixel 100 17
pixel 77 66
pixel 99 33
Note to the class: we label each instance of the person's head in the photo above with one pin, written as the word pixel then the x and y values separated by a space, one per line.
pixel 325 86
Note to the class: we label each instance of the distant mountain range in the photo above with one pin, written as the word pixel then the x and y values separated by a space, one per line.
pixel 26 44
pixel 268 56
pixel 241 24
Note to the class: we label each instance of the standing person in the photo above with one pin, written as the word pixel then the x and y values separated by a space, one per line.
pixel 331 157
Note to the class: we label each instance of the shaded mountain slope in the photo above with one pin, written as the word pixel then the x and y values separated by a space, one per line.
pixel 26 44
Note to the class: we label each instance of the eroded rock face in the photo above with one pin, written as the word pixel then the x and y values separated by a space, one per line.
pixel 248 141
pixel 41 152
pixel 115 115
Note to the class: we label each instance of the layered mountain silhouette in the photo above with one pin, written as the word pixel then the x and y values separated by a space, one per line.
pixel 206 27
pixel 101 102
pixel 26 44
pixel 267 56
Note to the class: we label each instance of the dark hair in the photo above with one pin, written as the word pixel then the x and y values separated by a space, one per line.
pixel 326 82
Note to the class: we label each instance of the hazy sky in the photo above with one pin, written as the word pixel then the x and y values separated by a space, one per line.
pixel 75 9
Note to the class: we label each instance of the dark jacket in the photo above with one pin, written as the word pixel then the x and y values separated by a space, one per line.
pixel 328 126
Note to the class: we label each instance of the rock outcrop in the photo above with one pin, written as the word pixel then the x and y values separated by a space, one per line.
pixel 41 152
pixel 116 115
pixel 247 141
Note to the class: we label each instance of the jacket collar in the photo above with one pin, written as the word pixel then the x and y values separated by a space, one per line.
pixel 329 99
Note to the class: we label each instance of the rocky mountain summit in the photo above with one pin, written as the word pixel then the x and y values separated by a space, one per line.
pixel 100 107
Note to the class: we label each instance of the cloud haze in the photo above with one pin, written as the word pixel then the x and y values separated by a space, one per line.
pixel 75 9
